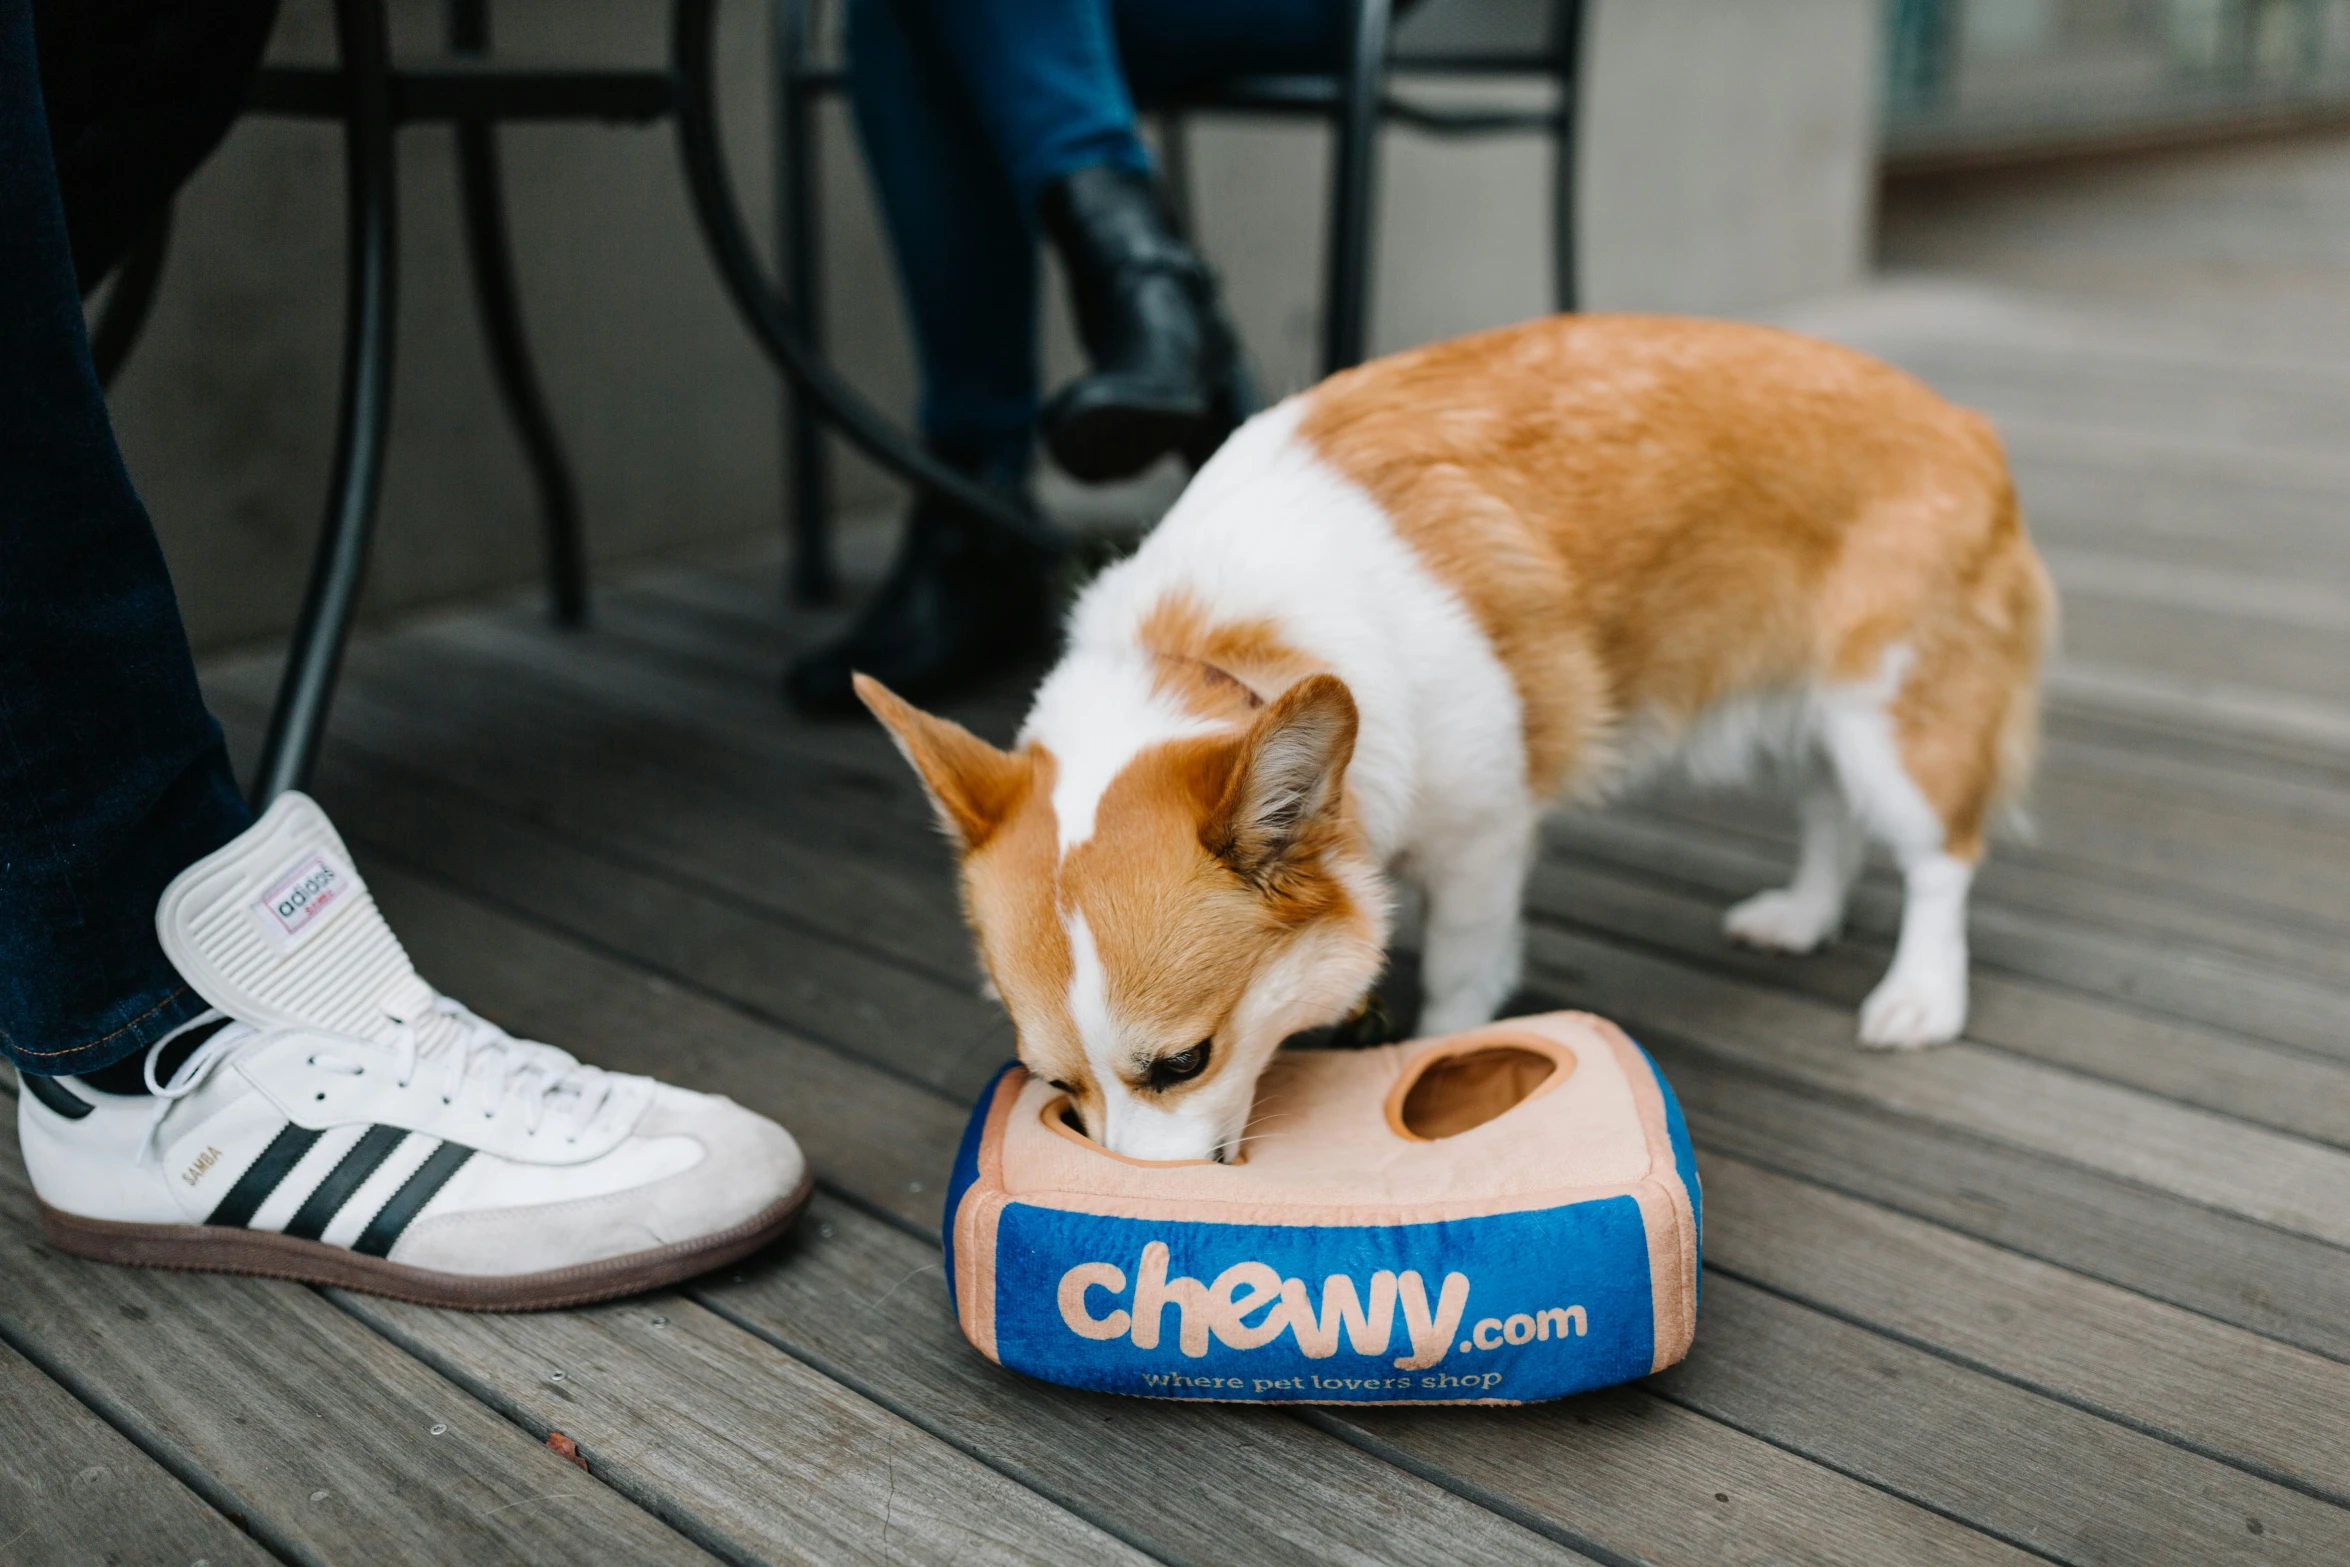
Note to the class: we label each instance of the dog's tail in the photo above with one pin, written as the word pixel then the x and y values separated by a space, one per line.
pixel 2023 603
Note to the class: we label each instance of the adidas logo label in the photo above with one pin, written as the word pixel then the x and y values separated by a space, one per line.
pixel 303 898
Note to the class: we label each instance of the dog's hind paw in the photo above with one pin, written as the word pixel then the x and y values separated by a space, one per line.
pixel 1910 1011
pixel 1781 920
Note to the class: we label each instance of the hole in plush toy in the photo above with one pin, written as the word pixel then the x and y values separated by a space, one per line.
pixel 1458 1092
pixel 1069 1119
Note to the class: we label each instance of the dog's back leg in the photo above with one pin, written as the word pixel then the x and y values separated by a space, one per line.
pixel 1922 999
pixel 1810 908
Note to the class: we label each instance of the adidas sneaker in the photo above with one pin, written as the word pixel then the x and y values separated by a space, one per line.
pixel 345 1124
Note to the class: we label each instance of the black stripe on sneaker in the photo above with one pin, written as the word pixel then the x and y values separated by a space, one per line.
pixel 382 1230
pixel 320 1207
pixel 277 1161
pixel 52 1093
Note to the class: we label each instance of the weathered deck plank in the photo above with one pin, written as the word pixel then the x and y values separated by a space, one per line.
pixel 2193 1154
pixel 2192 1064
pixel 2196 505
pixel 2013 877
pixel 2255 863
pixel 2271 1408
pixel 2038 1473
pixel 2232 1269
pixel 2152 970
pixel 2201 397
pixel 1659 1484
pixel 865 1302
pixel 276 1408
pixel 738 1446
pixel 73 1489
pixel 2102 818
pixel 747 1451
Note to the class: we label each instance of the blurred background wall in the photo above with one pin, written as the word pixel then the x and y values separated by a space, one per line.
pixel 1730 156
pixel 1726 157
pixel 1978 78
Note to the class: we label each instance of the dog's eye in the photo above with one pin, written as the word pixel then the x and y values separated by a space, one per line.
pixel 1055 1082
pixel 1182 1066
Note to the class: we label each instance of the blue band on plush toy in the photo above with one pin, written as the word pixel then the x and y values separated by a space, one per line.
pixel 1518 1306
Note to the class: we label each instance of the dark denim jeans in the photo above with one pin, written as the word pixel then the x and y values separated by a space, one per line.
pixel 967 109
pixel 112 775
pixel 138 93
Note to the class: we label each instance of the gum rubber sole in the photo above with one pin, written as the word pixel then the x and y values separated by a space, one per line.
pixel 205 1249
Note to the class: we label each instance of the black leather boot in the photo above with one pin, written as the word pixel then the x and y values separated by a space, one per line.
pixel 961 601
pixel 1166 372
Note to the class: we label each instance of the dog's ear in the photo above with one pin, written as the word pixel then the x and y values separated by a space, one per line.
pixel 1287 777
pixel 973 786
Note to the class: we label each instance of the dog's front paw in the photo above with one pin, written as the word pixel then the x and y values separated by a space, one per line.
pixel 1910 1010
pixel 1781 920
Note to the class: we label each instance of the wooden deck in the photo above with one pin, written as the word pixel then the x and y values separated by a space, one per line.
pixel 2076 1288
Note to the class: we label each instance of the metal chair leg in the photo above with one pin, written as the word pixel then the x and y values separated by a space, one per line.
pixel 299 720
pixel 490 258
pixel 129 296
pixel 815 577
pixel 1566 53
pixel 1354 191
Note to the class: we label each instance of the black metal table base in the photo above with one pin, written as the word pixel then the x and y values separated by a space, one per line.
pixel 370 304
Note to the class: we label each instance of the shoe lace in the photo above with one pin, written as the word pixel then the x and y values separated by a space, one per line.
pixel 189 1075
pixel 546 1081
pixel 540 1076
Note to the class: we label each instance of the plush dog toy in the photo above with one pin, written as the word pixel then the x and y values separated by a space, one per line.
pixel 1505 1215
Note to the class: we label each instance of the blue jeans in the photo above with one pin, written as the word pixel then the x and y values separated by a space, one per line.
pixel 968 109
pixel 113 777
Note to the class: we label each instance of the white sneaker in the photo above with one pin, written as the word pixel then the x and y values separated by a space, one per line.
pixel 351 1126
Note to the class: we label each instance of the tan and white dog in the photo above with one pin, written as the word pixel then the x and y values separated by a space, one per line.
pixel 1399 614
